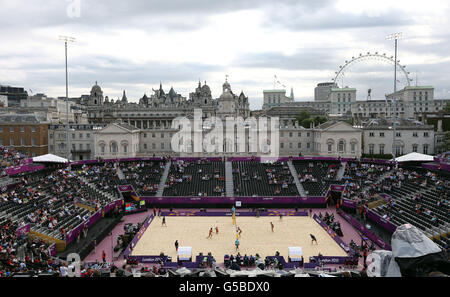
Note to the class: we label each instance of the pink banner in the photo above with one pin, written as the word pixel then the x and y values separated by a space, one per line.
pixel 23 230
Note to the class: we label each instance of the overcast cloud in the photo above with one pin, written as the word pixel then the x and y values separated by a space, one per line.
pixel 133 45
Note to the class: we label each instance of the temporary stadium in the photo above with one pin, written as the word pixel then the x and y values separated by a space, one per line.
pixel 225 216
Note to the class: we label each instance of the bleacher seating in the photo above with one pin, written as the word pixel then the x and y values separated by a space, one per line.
pixel 59 198
pixel 143 176
pixel 263 179
pixel 316 177
pixel 102 175
pixel 199 178
pixel 420 199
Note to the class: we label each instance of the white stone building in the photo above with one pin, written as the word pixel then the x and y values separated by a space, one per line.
pixel 117 140
pixel 337 139
pixel 276 98
pixel 411 136
pixel 412 101
pixel 81 137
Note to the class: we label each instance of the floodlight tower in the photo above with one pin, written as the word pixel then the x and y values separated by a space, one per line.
pixel 67 39
pixel 395 37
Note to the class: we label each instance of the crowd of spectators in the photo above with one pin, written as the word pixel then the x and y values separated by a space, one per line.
pixel 421 209
pixel 238 261
pixel 178 176
pixel 23 194
pixel 103 176
pixel 363 183
pixel 315 171
pixel 22 254
pixel 9 157
pixel 145 175
pixel 65 190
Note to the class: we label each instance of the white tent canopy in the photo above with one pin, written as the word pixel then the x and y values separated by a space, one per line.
pixel 414 157
pixel 185 253
pixel 49 158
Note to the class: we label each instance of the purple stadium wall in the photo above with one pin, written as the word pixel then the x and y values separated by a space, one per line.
pixel 378 241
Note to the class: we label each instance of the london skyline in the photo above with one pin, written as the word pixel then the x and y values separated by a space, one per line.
pixel 135 46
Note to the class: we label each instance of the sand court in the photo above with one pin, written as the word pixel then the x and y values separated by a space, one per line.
pixel 256 237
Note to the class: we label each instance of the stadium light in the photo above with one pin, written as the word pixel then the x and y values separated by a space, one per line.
pixel 395 37
pixel 67 39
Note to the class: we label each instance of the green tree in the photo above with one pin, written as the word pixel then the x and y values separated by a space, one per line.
pixel 319 120
pixel 306 122
pixel 445 145
pixel 303 116
pixel 303 119
pixel 447 107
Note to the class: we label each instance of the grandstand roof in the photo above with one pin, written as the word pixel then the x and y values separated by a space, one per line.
pixel 414 157
pixel 49 158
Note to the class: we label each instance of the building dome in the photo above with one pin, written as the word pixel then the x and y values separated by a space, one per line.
pixel 96 90
pixel 226 95
pixel 96 97
pixel 226 86
pixel 206 88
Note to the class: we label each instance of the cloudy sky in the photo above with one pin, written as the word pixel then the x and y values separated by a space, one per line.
pixel 133 45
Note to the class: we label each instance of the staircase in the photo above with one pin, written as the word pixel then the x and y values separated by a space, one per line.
pixel 229 186
pixel 162 182
pixel 294 173
pixel 341 171
pixel 120 174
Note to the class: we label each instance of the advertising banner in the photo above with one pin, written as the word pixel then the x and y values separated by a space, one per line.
pixel 23 230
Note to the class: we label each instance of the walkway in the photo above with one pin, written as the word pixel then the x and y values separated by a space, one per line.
pixel 294 174
pixel 162 183
pixel 109 242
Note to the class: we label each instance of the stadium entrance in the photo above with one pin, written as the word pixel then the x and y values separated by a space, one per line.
pixel 132 202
